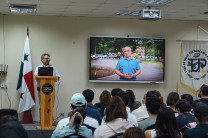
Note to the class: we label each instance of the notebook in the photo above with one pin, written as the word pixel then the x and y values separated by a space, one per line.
pixel 45 71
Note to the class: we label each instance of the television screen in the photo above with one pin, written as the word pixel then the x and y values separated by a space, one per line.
pixel 129 59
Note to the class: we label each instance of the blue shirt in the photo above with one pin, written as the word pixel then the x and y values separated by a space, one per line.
pixel 184 119
pixel 128 66
pixel 199 130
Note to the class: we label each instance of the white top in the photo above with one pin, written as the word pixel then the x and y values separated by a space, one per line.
pixel 153 133
pixel 141 113
pixel 88 121
pixel 118 125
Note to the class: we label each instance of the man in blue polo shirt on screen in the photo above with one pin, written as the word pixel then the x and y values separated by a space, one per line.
pixel 127 67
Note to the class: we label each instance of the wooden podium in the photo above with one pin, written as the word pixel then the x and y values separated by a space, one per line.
pixel 46 101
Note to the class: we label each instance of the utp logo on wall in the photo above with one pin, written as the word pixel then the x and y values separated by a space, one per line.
pixel 194 64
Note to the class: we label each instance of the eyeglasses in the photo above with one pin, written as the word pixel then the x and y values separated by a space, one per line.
pixel 47 58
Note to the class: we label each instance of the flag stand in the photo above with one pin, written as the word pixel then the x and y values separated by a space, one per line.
pixel 27 118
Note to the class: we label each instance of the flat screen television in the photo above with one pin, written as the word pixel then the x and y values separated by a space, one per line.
pixel 105 53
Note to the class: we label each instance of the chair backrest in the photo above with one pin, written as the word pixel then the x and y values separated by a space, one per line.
pixel 117 135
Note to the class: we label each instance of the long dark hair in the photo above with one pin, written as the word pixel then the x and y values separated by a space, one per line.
pixel 77 117
pixel 165 125
pixel 115 109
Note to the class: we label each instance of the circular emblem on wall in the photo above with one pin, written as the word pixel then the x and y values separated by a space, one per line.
pixel 47 88
pixel 195 64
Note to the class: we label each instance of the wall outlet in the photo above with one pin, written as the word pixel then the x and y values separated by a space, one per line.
pixel 2 85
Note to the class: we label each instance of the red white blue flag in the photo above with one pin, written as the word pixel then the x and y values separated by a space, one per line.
pixel 25 82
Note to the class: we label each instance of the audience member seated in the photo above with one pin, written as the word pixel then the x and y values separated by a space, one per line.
pixel 115 121
pixel 203 94
pixel 104 99
pixel 153 106
pixel 172 99
pixel 201 117
pixel 115 91
pixel 185 116
pixel 141 113
pixel 78 100
pixel 189 98
pixel 134 132
pixel 165 125
pixel 133 104
pixel 92 111
pixel 9 125
pixel 74 127
pixel 130 117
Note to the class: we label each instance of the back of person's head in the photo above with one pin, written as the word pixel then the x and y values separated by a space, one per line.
pixel 152 103
pixel 172 99
pixel 124 96
pixel 77 100
pixel 204 89
pixel 104 97
pixel 7 115
pixel 88 94
pixel 131 96
pixel 115 91
pixel 201 112
pixel 162 104
pixel 77 117
pixel 115 109
pixel 165 125
pixel 183 106
pixel 134 132
pixel 188 97
pixel 7 118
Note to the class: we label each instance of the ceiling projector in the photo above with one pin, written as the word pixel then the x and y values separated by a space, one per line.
pixel 150 14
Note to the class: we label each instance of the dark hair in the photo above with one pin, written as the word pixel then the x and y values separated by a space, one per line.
pixel 43 55
pixel 188 97
pixel 115 109
pixel 74 107
pixel 134 132
pixel 172 98
pixel 204 89
pixel 201 111
pixel 162 104
pixel 131 96
pixel 115 91
pixel 78 119
pixel 88 94
pixel 124 96
pixel 183 106
pixel 104 97
pixel 7 118
pixel 165 125
pixel 152 104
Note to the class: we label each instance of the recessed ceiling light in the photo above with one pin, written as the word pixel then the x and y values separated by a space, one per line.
pixel 22 9
pixel 154 2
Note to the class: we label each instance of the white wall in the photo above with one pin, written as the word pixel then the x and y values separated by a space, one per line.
pixel 67 40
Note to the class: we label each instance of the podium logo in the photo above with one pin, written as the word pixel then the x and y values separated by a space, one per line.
pixel 47 88
pixel 194 64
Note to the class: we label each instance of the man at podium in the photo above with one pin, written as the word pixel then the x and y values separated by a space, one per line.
pixel 45 59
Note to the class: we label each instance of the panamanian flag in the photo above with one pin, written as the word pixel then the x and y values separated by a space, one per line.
pixel 25 83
